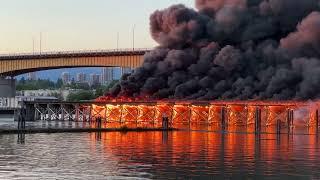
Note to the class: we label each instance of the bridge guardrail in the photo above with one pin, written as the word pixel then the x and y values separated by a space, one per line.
pixel 75 52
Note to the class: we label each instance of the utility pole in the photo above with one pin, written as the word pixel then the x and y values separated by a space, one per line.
pixel 117 41
pixel 133 29
pixel 40 43
pixel 33 45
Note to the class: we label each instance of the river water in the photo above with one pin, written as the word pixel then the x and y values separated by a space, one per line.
pixel 157 155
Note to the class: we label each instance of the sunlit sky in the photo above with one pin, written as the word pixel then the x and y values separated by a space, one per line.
pixel 77 24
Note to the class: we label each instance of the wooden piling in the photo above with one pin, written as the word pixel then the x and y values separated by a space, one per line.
pixel 292 118
pixel 278 126
pixel 223 118
pixel 258 120
pixel 165 122
pixel 190 116
pixel 288 120
pixel 317 120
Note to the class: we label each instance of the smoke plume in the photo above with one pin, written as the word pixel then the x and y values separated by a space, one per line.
pixel 231 49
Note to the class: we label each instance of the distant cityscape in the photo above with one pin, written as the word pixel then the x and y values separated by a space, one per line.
pixel 94 77
pixel 69 85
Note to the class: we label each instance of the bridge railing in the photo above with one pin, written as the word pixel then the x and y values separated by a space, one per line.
pixel 76 52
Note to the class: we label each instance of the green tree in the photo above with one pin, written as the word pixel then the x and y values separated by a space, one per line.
pixel 23 84
pixel 22 80
pixel 100 91
pixel 82 95
pixel 59 83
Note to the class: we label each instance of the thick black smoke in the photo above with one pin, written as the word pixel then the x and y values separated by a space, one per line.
pixel 231 49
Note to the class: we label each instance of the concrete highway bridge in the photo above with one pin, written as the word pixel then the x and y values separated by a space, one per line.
pixel 12 65
pixel 16 64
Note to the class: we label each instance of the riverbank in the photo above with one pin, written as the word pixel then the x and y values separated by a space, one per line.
pixel 78 130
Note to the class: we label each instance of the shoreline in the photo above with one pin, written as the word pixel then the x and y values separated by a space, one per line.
pixel 124 130
pixel 78 130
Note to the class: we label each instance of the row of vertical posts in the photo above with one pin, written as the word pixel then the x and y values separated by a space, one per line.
pixel 290 117
pixel 58 112
pixel 258 118
pixel 223 114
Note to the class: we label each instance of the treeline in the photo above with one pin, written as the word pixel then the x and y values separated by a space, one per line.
pixel 84 95
pixel 24 84
pixel 85 91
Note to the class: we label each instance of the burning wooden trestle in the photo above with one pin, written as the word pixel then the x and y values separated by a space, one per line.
pixel 211 114
pixel 150 114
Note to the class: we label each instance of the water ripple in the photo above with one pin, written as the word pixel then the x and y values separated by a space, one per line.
pixel 156 155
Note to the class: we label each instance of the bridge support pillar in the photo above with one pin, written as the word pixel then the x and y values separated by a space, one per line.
pixel 290 117
pixel 223 118
pixel 257 120
pixel 7 87
pixel 30 113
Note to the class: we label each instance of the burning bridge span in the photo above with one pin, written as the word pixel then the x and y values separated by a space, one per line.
pixel 256 116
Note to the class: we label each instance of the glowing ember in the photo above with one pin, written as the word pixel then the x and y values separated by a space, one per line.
pixel 199 114
pixel 251 114
pixel 215 115
pixel 114 113
pixel 276 113
pixel 237 115
pixel 161 111
pixel 181 114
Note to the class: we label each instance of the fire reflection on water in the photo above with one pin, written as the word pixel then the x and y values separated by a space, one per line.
pixel 218 151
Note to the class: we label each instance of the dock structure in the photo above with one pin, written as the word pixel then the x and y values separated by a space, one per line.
pixel 150 114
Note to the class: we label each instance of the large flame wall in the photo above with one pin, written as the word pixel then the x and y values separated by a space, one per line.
pixel 186 114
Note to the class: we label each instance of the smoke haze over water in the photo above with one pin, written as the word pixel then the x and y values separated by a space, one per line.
pixel 231 49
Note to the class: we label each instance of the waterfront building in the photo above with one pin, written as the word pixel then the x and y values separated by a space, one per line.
pixel 47 93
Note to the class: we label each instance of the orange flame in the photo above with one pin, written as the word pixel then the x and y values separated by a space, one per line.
pixel 143 112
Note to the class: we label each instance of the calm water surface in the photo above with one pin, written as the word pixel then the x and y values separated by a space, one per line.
pixel 157 155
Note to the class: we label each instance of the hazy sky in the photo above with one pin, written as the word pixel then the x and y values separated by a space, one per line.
pixel 76 24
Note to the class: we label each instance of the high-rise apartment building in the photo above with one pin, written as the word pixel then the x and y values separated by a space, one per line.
pixel 107 75
pixel 32 76
pixel 81 78
pixel 66 78
pixel 95 79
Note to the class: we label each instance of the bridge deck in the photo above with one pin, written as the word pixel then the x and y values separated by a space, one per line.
pixel 16 64
pixel 66 54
